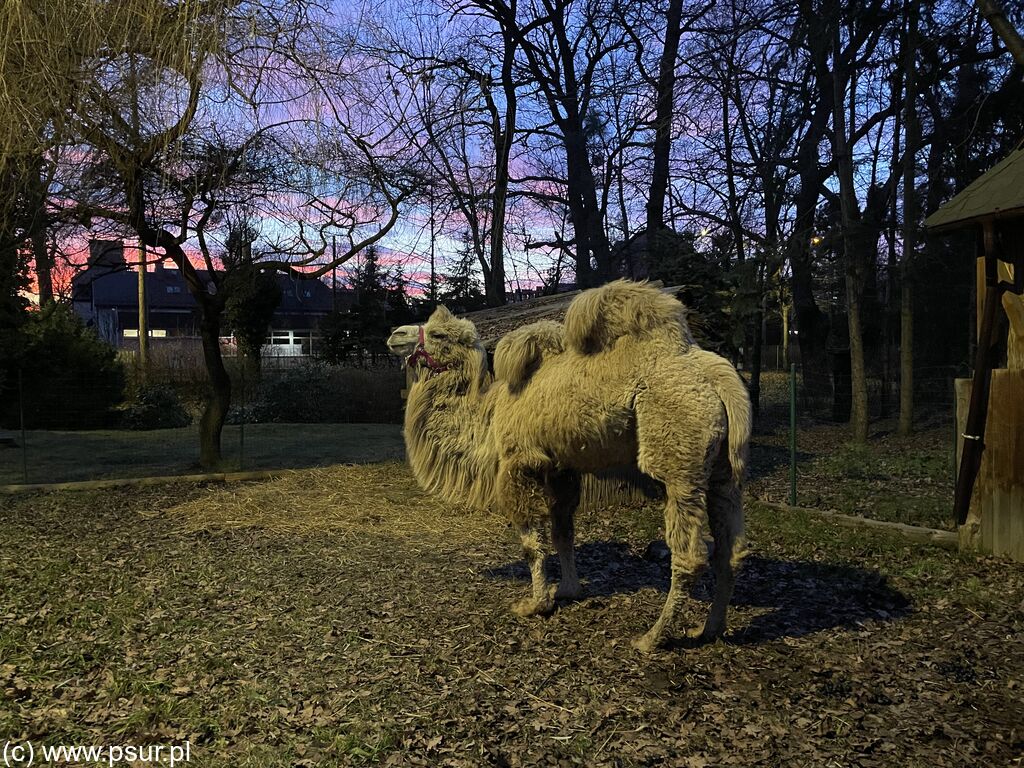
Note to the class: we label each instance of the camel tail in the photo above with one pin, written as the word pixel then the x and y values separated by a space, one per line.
pixel 599 317
pixel 520 352
pixel 733 393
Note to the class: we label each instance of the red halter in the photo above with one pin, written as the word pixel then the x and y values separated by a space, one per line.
pixel 420 354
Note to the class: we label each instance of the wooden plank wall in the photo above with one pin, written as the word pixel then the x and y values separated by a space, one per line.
pixel 995 523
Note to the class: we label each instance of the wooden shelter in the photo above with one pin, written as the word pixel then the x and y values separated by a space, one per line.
pixel 989 500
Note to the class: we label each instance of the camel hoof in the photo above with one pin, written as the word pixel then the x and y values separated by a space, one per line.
pixel 645 643
pixel 571 592
pixel 710 633
pixel 531 606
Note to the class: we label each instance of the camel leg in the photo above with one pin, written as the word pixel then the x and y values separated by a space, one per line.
pixel 566 492
pixel 526 502
pixel 542 599
pixel 725 514
pixel 684 514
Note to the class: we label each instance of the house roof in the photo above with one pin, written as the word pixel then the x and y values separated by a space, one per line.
pixel 166 289
pixel 996 194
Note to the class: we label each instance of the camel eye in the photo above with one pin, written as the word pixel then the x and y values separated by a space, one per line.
pixel 437 335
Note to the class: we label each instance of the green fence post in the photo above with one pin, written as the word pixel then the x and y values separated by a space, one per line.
pixel 241 425
pixel 21 415
pixel 792 434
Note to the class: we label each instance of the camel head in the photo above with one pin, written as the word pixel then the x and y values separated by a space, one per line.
pixel 443 343
pixel 403 340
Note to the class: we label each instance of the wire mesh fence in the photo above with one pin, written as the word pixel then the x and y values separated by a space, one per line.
pixel 297 412
pixel 804 453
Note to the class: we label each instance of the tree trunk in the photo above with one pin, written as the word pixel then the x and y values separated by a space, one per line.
pixel 784 312
pixel 663 117
pixel 143 323
pixel 996 17
pixel 562 93
pixel 853 242
pixel 755 363
pixel 812 325
pixel 910 214
pixel 494 287
pixel 42 258
pixel 906 423
pixel 43 264
pixel 218 396
pixel 858 377
pixel 584 211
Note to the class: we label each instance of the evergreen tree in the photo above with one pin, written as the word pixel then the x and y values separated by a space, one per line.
pixel 706 289
pixel 461 288
pixel 70 379
pixel 13 305
pixel 400 311
pixel 253 294
pixel 370 284
pixel 339 337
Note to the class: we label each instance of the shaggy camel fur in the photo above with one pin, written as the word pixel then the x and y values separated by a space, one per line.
pixel 620 387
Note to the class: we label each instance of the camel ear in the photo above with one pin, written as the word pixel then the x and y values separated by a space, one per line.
pixel 467 333
pixel 441 314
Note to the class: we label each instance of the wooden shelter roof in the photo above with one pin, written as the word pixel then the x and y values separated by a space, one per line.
pixel 996 194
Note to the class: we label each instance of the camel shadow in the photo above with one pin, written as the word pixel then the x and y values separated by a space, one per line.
pixel 801 597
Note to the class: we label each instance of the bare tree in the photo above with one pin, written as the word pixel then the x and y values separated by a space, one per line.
pixel 563 46
pixel 910 218
pixel 172 177
pixel 994 14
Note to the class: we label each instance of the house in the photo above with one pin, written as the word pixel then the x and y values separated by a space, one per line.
pixel 106 296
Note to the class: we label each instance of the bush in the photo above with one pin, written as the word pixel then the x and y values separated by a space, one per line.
pixel 70 379
pixel 155 406
pixel 315 393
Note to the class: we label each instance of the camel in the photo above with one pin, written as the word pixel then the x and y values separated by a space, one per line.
pixel 621 386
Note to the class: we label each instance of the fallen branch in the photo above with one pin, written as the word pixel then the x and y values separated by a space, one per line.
pixel 89 485
pixel 932 536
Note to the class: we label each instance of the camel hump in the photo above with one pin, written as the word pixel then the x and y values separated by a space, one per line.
pixel 520 352
pixel 596 318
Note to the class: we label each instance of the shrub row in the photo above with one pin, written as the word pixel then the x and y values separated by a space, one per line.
pixel 58 374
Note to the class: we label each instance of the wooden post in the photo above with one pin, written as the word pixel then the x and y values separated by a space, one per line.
pixel 974 432
pixel 143 324
pixel 979 294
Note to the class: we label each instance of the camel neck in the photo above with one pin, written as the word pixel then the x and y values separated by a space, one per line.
pixel 447 427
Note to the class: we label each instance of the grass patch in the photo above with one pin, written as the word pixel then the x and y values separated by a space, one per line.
pixel 900 480
pixel 54 457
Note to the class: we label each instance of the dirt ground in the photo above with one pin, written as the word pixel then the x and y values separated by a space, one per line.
pixel 339 617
